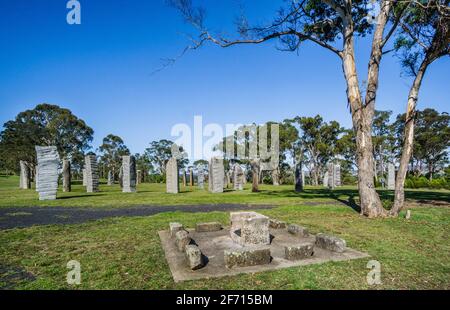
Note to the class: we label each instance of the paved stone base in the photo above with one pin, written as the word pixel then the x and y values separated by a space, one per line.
pixel 214 244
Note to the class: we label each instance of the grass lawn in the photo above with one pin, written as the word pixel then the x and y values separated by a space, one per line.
pixel 125 253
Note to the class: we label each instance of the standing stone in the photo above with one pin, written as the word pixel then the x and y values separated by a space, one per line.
pixel 67 176
pixel 110 178
pixel 48 162
pixel 200 179
pixel 331 171
pixel 191 177
pixel 36 181
pixel 90 162
pixel 325 179
pixel 172 181
pixel 255 175
pixel 84 177
pixel 337 175
pixel 391 176
pixel 129 174
pixel 25 180
pixel 238 176
pixel 121 176
pixel 275 177
pixel 298 178
pixel 184 176
pixel 139 177
pixel 216 175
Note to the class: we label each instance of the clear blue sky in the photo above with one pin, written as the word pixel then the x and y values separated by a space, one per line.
pixel 102 68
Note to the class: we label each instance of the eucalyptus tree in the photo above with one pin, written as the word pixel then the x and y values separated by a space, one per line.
pixel 423 38
pixel 333 25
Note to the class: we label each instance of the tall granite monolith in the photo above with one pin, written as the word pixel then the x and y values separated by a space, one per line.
pixel 391 176
pixel 66 176
pixel 129 174
pixel 91 166
pixel 25 178
pixel 172 176
pixel 48 162
pixel 216 175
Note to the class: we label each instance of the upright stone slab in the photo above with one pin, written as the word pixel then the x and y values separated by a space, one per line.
pixel 298 178
pixel 66 176
pixel 121 176
pixel 91 166
pixel 172 181
pixel 391 176
pixel 256 164
pixel 238 178
pixel 129 174
pixel 48 162
pixel 337 175
pixel 110 178
pixel 331 183
pixel 325 179
pixel 201 179
pixel 84 177
pixel 184 177
pixel 25 180
pixel 139 177
pixel 191 177
pixel 216 175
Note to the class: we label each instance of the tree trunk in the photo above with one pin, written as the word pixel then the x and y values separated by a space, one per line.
pixel 399 196
pixel 67 177
pixel 275 177
pixel 362 116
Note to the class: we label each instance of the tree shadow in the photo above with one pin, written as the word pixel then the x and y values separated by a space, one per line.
pixel 82 196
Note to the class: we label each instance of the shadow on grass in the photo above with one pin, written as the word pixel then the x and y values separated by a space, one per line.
pixel 82 196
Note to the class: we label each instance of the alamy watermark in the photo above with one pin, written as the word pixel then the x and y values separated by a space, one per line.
pixel 73 277
pixel 73 17
pixel 234 141
pixel 374 275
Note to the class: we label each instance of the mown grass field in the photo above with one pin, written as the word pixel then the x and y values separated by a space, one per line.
pixel 125 253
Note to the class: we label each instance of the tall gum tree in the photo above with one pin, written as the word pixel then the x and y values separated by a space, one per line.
pixel 333 25
pixel 424 37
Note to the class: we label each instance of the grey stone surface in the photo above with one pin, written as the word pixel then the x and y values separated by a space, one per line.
pixel 391 176
pixel 337 175
pixel 299 182
pixel 331 171
pixel 25 179
pixel 299 251
pixel 129 174
pixel 174 228
pixel 330 243
pixel 182 239
pixel 238 178
pixel 48 162
pixel 213 245
pixel 91 166
pixel 194 257
pixel 138 177
pixel 216 175
pixel 298 230
pixel 110 178
pixel 325 179
pixel 172 176
pixel 249 228
pixel 208 227
pixel 277 224
pixel 84 177
pixel 201 179
pixel 191 177
pixel 247 257
pixel 66 176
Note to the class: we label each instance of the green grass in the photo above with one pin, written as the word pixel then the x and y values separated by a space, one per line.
pixel 125 253
pixel 154 194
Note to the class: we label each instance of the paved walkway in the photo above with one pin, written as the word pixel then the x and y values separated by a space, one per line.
pixel 18 217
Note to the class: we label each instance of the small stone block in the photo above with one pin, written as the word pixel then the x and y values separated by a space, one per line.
pixel 182 239
pixel 247 257
pixel 276 224
pixel 207 227
pixel 174 228
pixel 194 256
pixel 330 243
pixel 298 230
pixel 300 251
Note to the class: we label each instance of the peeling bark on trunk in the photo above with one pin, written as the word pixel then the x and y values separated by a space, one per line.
pixel 399 196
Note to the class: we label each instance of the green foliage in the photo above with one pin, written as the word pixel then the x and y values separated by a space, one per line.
pixel 423 182
pixel 44 125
